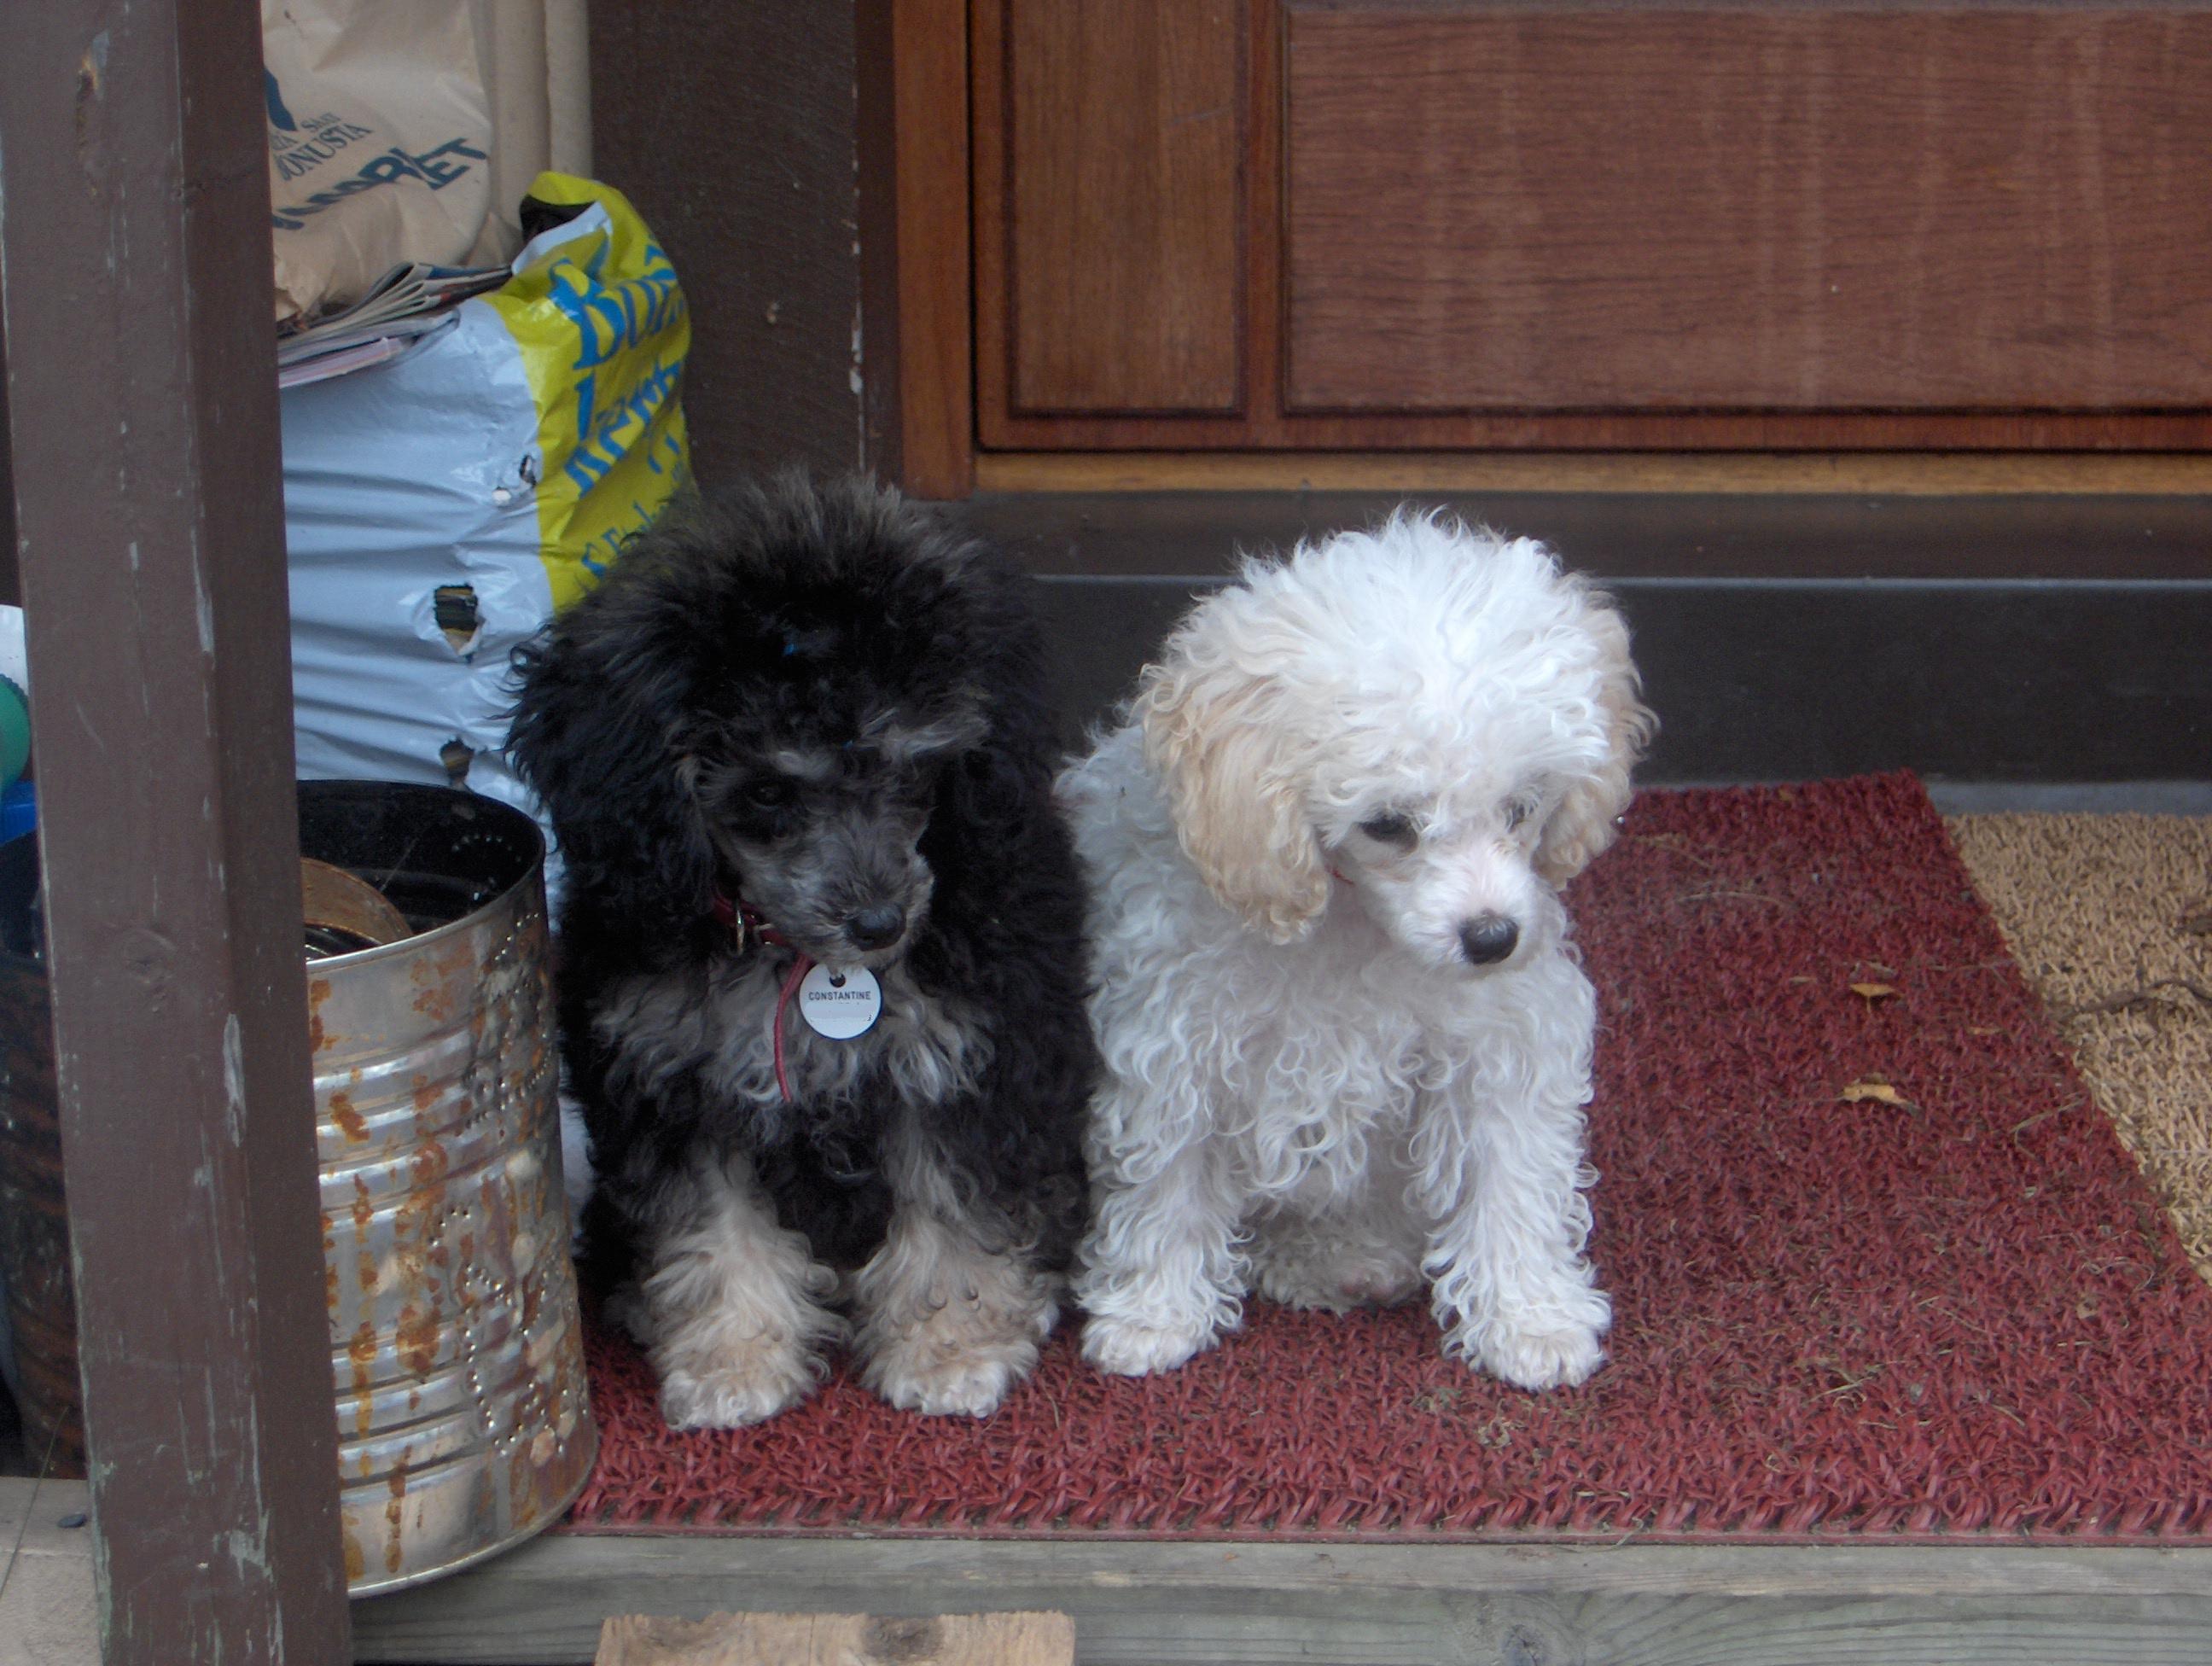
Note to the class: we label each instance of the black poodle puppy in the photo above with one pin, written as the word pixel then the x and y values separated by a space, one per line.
pixel 822 971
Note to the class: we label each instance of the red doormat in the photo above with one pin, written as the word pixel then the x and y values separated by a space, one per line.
pixel 1879 1268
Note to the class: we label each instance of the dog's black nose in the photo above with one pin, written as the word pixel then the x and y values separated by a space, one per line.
pixel 1487 938
pixel 873 927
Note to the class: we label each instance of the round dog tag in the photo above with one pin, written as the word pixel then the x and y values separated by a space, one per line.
pixel 840 1005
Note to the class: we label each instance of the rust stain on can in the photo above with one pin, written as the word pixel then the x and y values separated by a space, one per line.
pixel 395 1539
pixel 522 1472
pixel 364 1205
pixel 416 1340
pixel 351 1122
pixel 360 1352
pixel 362 1349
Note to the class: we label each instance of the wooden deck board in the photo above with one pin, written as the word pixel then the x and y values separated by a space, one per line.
pixel 1259 1604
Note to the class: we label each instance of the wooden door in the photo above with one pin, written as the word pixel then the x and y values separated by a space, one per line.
pixel 1742 224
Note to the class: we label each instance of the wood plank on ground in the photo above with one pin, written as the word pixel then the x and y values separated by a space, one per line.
pixel 839 1640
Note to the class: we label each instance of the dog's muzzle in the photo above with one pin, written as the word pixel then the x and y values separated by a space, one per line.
pixel 876 928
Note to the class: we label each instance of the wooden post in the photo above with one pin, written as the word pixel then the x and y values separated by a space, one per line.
pixel 143 423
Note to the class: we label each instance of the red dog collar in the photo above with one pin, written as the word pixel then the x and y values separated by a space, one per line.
pixel 747 927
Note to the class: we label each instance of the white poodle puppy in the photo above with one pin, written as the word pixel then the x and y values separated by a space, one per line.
pixel 1347 1042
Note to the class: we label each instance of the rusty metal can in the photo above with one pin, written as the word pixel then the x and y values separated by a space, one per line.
pixel 456 1340
pixel 456 1346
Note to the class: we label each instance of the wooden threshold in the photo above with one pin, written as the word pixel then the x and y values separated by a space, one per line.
pixel 1890 474
pixel 1259 1604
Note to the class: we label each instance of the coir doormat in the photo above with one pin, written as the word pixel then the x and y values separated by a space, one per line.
pixel 1880 1268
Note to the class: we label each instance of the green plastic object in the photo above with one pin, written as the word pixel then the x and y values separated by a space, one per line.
pixel 15 733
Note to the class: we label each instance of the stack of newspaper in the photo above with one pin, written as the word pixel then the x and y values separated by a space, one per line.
pixel 407 302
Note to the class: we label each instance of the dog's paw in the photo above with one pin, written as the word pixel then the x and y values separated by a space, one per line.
pixel 1554 1345
pixel 1536 1360
pixel 733 1393
pixel 959 1361
pixel 1129 1349
pixel 955 1385
pixel 954 1349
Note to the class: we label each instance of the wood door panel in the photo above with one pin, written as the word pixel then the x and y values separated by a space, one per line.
pixel 1776 225
pixel 1123 168
pixel 1768 208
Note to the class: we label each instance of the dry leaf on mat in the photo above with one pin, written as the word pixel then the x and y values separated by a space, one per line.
pixel 1873 992
pixel 1854 1093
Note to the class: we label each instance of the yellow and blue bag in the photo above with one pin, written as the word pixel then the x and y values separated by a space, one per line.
pixel 442 506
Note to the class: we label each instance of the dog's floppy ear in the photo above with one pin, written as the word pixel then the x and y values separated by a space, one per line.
pixel 591 736
pixel 1219 737
pixel 1582 824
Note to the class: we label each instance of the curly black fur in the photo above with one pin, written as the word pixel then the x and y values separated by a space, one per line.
pixel 657 720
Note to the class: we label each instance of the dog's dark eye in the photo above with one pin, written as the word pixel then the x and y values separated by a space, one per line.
pixel 1390 828
pixel 1517 811
pixel 768 794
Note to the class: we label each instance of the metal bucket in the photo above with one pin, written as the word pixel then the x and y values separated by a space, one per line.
pixel 456 1354
pixel 456 1348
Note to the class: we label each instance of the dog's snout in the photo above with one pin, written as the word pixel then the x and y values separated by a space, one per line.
pixel 1487 938
pixel 874 928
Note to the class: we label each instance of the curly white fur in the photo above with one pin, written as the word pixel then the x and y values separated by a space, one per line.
pixel 1352 775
